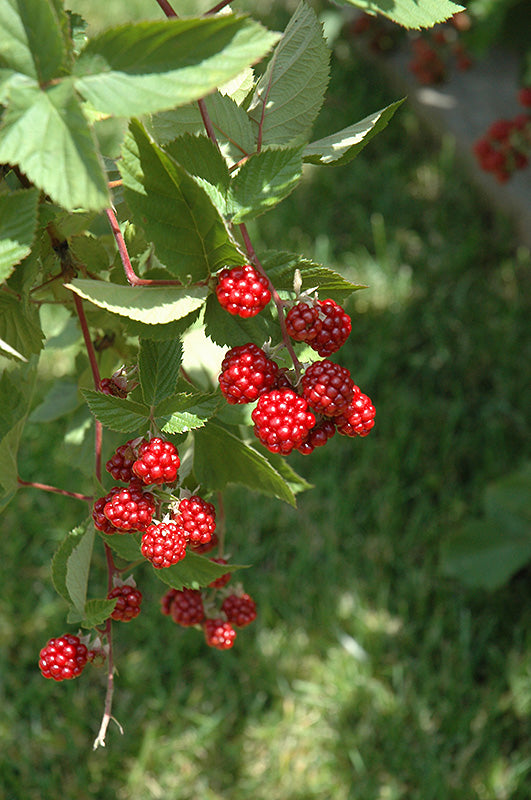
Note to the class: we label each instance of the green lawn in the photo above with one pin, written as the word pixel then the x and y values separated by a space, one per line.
pixel 368 675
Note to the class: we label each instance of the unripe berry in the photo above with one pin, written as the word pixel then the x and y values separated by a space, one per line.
pixel 239 609
pixel 128 600
pixel 187 608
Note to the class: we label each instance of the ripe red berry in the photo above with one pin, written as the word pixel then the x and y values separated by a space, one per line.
pixel 222 581
pixel 163 544
pixel 130 509
pixel 219 634
pixel 196 519
pixel 358 419
pixel 335 328
pixel 246 373
pixel 63 658
pixel 187 608
pixel 158 462
pixel 303 323
pixel 327 387
pixel 128 602
pixel 166 602
pixel 242 291
pixel 120 465
pixel 282 420
pixel 239 609
pixel 206 547
pixel 100 520
pixel 317 436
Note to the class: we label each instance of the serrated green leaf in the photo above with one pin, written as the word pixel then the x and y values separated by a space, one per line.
pixel 146 67
pixel 227 329
pixel 343 146
pixel 151 305
pixel 158 365
pixel 263 181
pixel 410 13
pixel 96 612
pixel 61 399
pixel 281 267
pixel 31 41
pixel 60 560
pixel 18 221
pixel 199 156
pixel 45 132
pixel 295 481
pixel 220 458
pixel 290 93
pixel 187 412
pixel 78 567
pixel 126 545
pixel 116 413
pixel 193 572
pixel 19 326
pixel 172 330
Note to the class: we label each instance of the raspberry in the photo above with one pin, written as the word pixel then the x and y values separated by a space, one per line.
pixel 303 323
pixel 239 609
pixel 187 608
pixel 112 386
pixel 166 602
pixel 158 462
pixel 282 420
pixel 246 373
pixel 200 548
pixel 63 658
pixel 335 328
pixel 127 604
pixel 120 465
pixel 327 387
pixel 219 634
pixel 196 519
pixel 163 544
pixel 130 509
pixel 222 581
pixel 317 437
pixel 100 520
pixel 358 419
pixel 242 291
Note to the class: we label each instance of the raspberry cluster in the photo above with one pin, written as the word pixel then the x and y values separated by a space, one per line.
pixel 325 326
pixel 506 145
pixel 242 291
pixel 128 600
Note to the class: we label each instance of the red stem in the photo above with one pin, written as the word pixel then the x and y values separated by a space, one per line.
pixel 165 6
pixel 46 488
pixel 217 8
pixel 207 122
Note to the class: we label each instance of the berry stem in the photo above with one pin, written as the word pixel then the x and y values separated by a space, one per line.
pixel 45 487
pixel 216 8
pixel 207 122
pixel 107 716
pixel 166 7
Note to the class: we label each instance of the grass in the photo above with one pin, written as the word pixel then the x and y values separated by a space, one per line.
pixel 368 675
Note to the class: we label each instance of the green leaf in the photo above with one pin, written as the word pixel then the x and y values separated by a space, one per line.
pixel 116 413
pixel 18 222
pixel 263 181
pixel 146 67
pixel 410 13
pixel 159 364
pixel 20 327
pixel 96 612
pixel 228 329
pixel 47 135
pixel 281 269
pixel 295 481
pixel 201 158
pixel 220 458
pixel 290 93
pixel 508 500
pixel 16 389
pixel 343 146
pixel 61 399
pixel 193 572
pixel 158 333
pixel 60 560
pixel 152 305
pixel 186 412
pixel 126 545
pixel 189 235
pixel 31 41
pixel 71 565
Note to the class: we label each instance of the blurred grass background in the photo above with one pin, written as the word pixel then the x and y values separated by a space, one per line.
pixel 368 675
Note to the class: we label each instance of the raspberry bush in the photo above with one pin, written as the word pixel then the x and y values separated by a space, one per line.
pixel 129 230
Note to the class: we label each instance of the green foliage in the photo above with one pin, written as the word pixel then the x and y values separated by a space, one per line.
pixel 410 13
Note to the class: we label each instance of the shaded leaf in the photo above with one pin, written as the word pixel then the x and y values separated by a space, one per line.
pixel 96 612
pixel 18 222
pixel 126 545
pixel 20 326
pixel 263 181
pixel 61 399
pixel 31 41
pixel 116 413
pixel 193 572
pixel 281 267
pixel 227 329
pixel 159 364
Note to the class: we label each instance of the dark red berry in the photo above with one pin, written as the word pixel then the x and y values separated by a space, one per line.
pixel 317 436
pixel 222 581
pixel 282 420
pixel 219 634
pixel 242 291
pixel 196 519
pixel 166 602
pixel 63 658
pixel 128 600
pixel 158 462
pixel 246 373
pixel 130 509
pixel 187 608
pixel 327 387
pixel 335 328
pixel 239 609
pixel 120 465
pixel 358 419
pixel 113 387
pixel 206 547
pixel 163 544
pixel 100 520
pixel 303 323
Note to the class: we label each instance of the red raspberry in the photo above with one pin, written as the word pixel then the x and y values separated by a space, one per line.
pixel 317 437
pixel 166 602
pixel 239 609
pixel 246 373
pixel 282 420
pixel 63 658
pixel 127 604
pixel 327 387
pixel 222 581
pixel 524 97
pixel 163 544
pixel 219 634
pixel 130 509
pixel 120 465
pixel 200 548
pixel 242 291
pixel 303 323
pixel 187 608
pixel 335 329
pixel 196 519
pixel 158 462
pixel 358 419
pixel 100 520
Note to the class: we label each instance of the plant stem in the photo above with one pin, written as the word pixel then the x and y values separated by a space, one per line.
pixel 165 6
pixel 46 488
pixel 207 122
pixel 217 8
